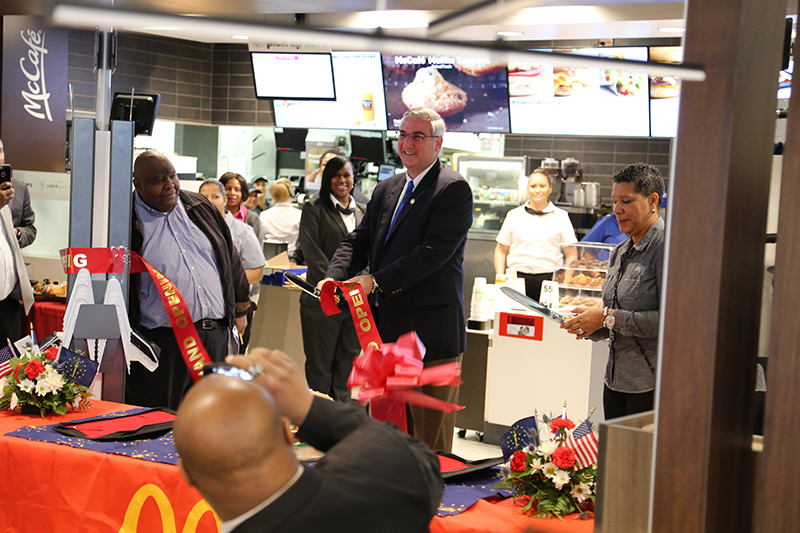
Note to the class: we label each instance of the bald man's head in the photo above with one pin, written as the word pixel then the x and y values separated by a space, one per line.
pixel 156 181
pixel 227 429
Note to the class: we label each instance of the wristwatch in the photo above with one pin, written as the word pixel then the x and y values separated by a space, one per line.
pixel 609 317
pixel 375 286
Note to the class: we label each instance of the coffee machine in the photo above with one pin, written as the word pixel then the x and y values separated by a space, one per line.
pixel 572 176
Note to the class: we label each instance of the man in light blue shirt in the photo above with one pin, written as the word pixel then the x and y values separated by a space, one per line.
pixel 185 238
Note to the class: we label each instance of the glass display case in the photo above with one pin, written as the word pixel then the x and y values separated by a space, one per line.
pixel 495 183
pixel 581 281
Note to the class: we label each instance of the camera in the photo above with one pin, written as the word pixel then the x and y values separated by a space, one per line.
pixel 5 173
pixel 226 370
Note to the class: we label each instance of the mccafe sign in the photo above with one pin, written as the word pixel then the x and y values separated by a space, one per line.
pixel 33 123
pixel 36 97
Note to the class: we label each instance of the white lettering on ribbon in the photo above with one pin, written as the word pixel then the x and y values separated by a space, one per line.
pixel 32 66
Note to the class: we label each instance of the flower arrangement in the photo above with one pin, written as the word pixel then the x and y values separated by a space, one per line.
pixel 557 476
pixel 34 382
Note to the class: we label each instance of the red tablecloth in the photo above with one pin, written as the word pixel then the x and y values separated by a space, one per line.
pixel 47 316
pixel 54 488
pixel 505 517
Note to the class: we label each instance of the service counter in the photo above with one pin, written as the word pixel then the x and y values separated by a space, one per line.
pixel 534 366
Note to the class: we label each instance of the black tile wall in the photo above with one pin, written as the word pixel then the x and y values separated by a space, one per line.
pixel 600 157
pixel 213 84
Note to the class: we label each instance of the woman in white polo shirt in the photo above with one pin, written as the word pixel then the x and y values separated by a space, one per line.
pixel 531 234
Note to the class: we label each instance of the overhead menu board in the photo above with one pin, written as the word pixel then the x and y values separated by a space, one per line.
pixel 359 103
pixel 470 93
pixel 580 101
pixel 665 92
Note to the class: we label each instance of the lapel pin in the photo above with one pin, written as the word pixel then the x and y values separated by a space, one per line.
pixel 411 201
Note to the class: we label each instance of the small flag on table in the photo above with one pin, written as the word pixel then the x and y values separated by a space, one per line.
pixel 519 436
pixel 584 442
pixel 5 356
pixel 75 367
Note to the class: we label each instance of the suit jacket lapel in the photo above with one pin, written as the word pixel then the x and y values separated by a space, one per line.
pixel 419 190
pixel 333 214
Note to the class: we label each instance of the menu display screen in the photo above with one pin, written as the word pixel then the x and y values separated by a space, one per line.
pixel 359 103
pixel 580 101
pixel 293 74
pixel 470 93
pixel 665 92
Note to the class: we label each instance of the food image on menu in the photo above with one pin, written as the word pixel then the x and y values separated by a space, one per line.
pixel 429 89
pixel 665 86
pixel 470 93
pixel 627 84
pixel 566 81
pixel 525 80
pixel 478 66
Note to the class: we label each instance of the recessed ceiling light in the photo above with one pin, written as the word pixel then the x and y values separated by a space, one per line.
pixel 242 37
pixel 672 29
pixel 510 33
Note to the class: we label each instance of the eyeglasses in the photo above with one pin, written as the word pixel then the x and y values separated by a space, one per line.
pixel 416 137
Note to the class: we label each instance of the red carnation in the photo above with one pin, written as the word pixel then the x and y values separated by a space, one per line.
pixel 34 368
pixel 51 353
pixel 518 461
pixel 564 457
pixel 558 423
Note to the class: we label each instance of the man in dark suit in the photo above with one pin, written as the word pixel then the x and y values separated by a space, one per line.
pixel 235 446
pixel 413 237
pixel 21 212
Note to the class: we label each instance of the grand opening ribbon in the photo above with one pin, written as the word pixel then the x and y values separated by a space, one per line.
pixel 112 261
pixel 387 373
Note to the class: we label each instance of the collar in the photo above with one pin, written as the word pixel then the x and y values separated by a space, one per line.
pixel 657 226
pixel 241 214
pixel 351 205
pixel 549 208
pixel 138 202
pixel 230 525
pixel 420 176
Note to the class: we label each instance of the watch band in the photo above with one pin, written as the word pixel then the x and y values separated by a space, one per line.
pixel 375 286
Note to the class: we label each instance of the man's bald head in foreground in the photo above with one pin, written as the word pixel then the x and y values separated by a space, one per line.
pixel 234 445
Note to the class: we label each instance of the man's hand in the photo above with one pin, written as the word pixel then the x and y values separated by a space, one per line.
pixel 364 281
pixel 241 323
pixel 281 378
pixel 6 194
pixel 322 282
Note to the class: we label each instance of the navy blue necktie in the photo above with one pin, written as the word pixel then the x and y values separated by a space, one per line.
pixel 403 202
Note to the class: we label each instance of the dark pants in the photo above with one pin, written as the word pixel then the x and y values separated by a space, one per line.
pixel 433 427
pixel 245 340
pixel 330 344
pixel 10 320
pixel 166 386
pixel 617 404
pixel 533 283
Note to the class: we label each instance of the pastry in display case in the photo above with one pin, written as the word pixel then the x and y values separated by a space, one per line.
pixel 581 281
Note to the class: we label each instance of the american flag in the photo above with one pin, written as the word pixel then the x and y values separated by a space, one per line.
pixel 5 356
pixel 584 442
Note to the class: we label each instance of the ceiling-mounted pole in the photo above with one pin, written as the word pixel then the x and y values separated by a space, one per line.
pixel 105 49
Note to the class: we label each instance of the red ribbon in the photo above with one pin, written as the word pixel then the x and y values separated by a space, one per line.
pixel 112 261
pixel 386 373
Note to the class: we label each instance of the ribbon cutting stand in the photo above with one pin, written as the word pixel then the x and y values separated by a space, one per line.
pixel 96 322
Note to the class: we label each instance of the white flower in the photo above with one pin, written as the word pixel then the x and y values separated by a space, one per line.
pixel 26 385
pixel 3 385
pixel 581 492
pixel 14 401
pixel 547 448
pixel 536 464
pixel 549 469
pixel 43 388
pixel 560 478
pixel 55 380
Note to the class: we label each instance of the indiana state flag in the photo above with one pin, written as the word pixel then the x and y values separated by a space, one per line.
pixel 76 368
pixel 521 434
